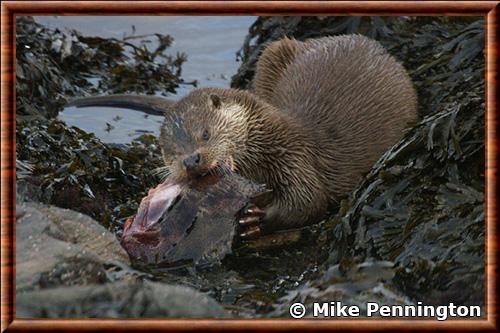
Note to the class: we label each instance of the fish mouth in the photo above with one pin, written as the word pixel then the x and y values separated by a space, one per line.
pixel 152 207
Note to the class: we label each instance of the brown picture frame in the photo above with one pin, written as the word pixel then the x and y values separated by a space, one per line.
pixel 488 9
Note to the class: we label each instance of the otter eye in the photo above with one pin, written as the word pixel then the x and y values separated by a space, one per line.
pixel 205 135
pixel 215 101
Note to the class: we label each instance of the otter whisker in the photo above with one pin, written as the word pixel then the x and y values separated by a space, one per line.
pixel 217 170
pixel 226 169
pixel 220 170
pixel 162 172
pixel 160 169
pixel 164 176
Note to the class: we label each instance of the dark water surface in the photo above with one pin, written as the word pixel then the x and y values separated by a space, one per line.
pixel 210 42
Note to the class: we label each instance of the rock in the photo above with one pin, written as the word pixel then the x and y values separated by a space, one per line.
pixel 350 284
pixel 57 246
pixel 117 300
pixel 422 206
pixel 67 265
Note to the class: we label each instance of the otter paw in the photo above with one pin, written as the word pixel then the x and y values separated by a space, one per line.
pixel 249 222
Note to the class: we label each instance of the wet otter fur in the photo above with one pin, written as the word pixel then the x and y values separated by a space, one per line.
pixel 319 115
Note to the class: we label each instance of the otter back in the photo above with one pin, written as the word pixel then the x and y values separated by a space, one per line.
pixel 350 95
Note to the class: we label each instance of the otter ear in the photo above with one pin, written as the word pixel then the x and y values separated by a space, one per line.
pixel 215 99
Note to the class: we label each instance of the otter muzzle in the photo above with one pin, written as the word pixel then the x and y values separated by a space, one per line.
pixel 192 162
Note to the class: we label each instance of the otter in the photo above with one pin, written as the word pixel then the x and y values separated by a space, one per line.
pixel 318 116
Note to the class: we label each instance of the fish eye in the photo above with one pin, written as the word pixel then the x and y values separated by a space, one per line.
pixel 205 135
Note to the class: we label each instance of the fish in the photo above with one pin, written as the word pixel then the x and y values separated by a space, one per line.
pixel 190 223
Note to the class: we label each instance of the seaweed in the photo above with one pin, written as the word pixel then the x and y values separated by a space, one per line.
pixel 66 166
pixel 52 66
pixel 70 168
pixel 422 207
pixel 428 190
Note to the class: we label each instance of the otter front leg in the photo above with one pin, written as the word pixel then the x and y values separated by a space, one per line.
pixel 256 220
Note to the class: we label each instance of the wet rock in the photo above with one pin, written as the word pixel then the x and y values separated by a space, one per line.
pixel 67 265
pixel 422 206
pixel 117 300
pixel 57 247
pixel 350 284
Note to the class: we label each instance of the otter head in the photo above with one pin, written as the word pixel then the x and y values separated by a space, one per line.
pixel 201 134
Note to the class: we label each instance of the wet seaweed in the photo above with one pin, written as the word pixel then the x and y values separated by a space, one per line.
pixel 70 168
pixel 53 66
pixel 66 166
pixel 422 207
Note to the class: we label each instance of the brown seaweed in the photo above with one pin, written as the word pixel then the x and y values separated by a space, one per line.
pixel 53 66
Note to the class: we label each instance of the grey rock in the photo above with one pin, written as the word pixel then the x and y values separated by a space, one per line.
pixel 57 246
pixel 118 300
pixel 68 265
pixel 353 284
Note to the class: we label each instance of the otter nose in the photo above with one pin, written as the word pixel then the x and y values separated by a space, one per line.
pixel 192 161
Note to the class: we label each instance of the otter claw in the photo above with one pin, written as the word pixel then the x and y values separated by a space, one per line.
pixel 255 211
pixel 249 220
pixel 251 232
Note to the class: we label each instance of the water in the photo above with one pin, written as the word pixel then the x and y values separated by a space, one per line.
pixel 210 42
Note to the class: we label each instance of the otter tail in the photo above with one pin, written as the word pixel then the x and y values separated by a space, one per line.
pixel 148 104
